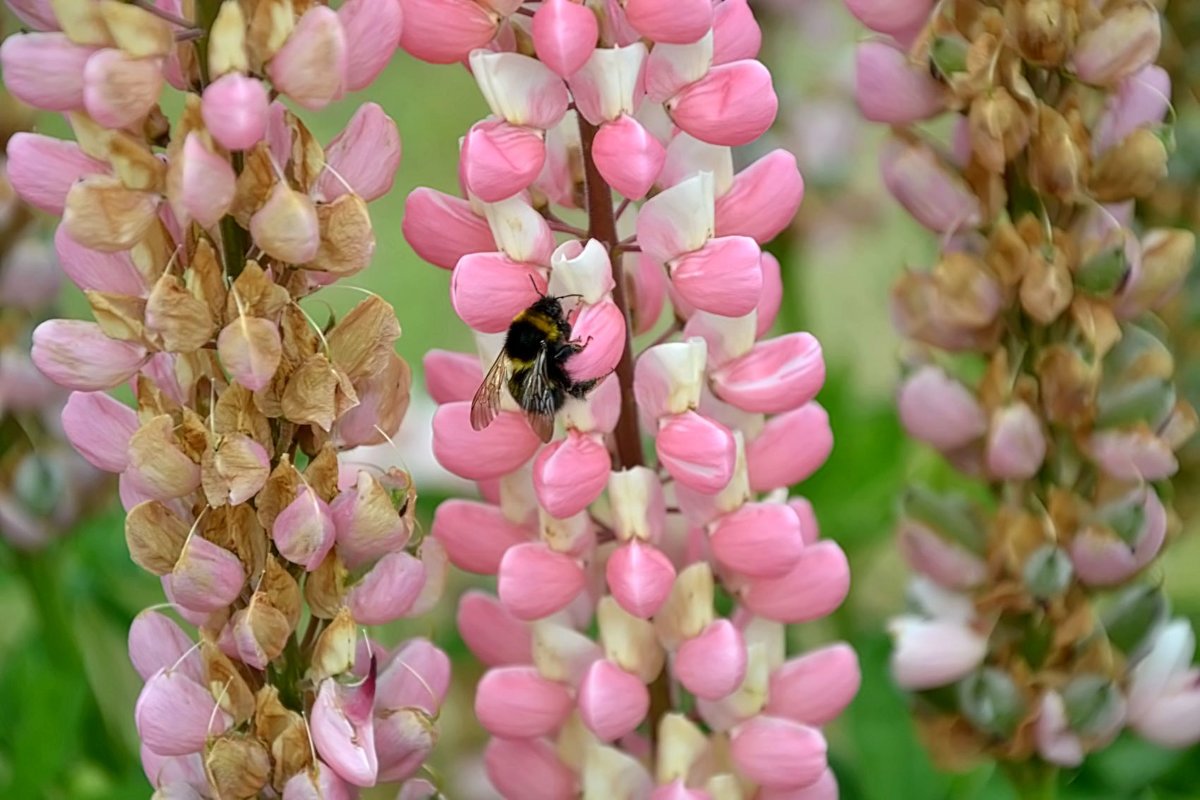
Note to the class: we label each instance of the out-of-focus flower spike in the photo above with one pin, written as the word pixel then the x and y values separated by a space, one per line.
pixel 890 89
pixel 494 635
pixel 890 16
pixel 936 197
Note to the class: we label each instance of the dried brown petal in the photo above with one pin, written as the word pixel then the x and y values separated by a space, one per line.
pixel 325 587
pixel 238 766
pixel 253 184
pixel 271 23
pixel 1045 29
pixel 227 41
pixel 278 493
pixel 255 294
pixel 1130 170
pixel 335 648
pixel 155 537
pixel 308 158
pixel 321 475
pixel 192 433
pixel 1068 386
pixel 161 464
pixel 999 129
pixel 234 470
pixel 968 295
pixel 134 163
pixel 282 591
pixel 347 240
pixel 292 753
pixel 205 279
pixel 180 319
pixel 1008 253
pixel 1057 163
pixel 226 684
pixel 81 22
pixel 102 214
pixel 1097 322
pixel 361 343
pixel 286 226
pixel 266 625
pixel 136 31
pixel 310 396
pixel 236 413
pixel 119 315
pixel 250 349
pixel 1047 288
pixel 153 252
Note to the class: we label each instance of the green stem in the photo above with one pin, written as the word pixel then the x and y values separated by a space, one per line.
pixel 1035 780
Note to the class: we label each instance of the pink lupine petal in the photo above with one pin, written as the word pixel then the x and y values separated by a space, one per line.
pixel 1016 445
pixel 670 21
pixel 311 67
pixel 777 375
pixel 943 561
pixel 816 585
pixel 99 427
pixel 518 703
pixel 207 184
pixel 628 156
pixel 234 108
pixel 92 269
pixel 564 35
pixel 649 290
pixel 207 577
pixel 157 642
pixel 890 88
pixel 403 740
pixel 488 289
pixel 677 220
pixel 676 790
pixel 696 451
pixel 343 730
pixel 42 169
pixel 37 15
pixel 319 782
pixel 732 105
pixel 418 676
pixel 671 67
pixel 932 653
pixel 493 635
pixel 582 269
pixel 713 664
pixel 364 534
pixel 481 455
pixel 772 295
pixel 939 410
pixel 535 581
pixel 570 474
pixel 1141 100
pixel 1101 560
pixel 175 715
pixel 736 34
pixel 1056 742
pixel 304 530
pixel 520 231
pixel 760 540
pixel 168 773
pixel 78 355
pixel 599 411
pixel 119 90
pixel 763 198
pixel 640 578
pixel 372 31
pixel 451 377
pixel 612 702
pixel 816 687
pixel 498 160
pixel 610 83
pixel 934 195
pixel 790 448
pixel 723 277
pixel 890 16
pixel 519 89
pixel 475 535
pixel 445 31
pixel 528 768
pixel 602 328
pixel 777 752
pixel 388 591
pixel 45 70
pixel 823 788
pixel 1133 455
pixel 364 157
pixel 442 228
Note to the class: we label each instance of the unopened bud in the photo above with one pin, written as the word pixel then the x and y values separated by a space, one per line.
pixel 1125 40
pixel 999 129
pixel 1046 30
pixel 1149 400
pixel 951 516
pixel 1047 572
pixel 1057 163
pixel 991 701
pixel 1167 256
pixel 948 54
pixel 1103 273
pixel 237 765
pixel 1130 170
pixel 1134 616
pixel 1094 705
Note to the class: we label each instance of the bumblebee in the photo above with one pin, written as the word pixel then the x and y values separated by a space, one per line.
pixel 532 365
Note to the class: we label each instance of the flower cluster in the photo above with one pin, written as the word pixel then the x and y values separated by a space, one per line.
pixel 194 240
pixel 688 567
pixel 1038 368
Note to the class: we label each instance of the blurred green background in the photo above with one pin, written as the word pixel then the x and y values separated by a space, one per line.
pixel 66 687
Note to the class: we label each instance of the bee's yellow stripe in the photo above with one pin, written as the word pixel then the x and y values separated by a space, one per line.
pixel 542 322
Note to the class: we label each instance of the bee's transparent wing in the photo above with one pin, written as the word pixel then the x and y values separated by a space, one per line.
pixel 537 397
pixel 486 404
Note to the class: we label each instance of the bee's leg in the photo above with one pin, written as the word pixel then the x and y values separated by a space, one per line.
pixel 580 389
pixel 577 345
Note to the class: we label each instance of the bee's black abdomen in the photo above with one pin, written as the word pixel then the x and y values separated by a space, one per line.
pixel 526 337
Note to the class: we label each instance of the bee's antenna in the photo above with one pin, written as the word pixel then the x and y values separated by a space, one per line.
pixel 535 287
pixel 565 296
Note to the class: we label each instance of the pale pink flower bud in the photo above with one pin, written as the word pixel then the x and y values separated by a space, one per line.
pixel 939 410
pixel 583 269
pixel 943 561
pixel 640 578
pixel 602 326
pixel 713 664
pixel 732 105
pixel 364 157
pixel 890 16
pixel 518 703
pixel 935 195
pixel 92 269
pixel 367 526
pixel 311 67
pixel 612 703
pixel 450 376
pixel 1016 445
pixel 697 451
pixel 723 277
pixel 638 507
pixel 736 34
pixel 816 585
pixel 628 156
pixel 488 289
pixel 890 88
pixel 442 228
pixel 778 375
pixel 670 67
pixel 317 783
pixel 1056 742
pixel 520 231
pixel 206 184
pixel 418 676
pixel 207 577
pixel 118 89
pixel 777 752
pixel 520 90
pixel 387 592
pixel 99 427
pixel 500 160
pixel 175 715
pixel 1102 559
pixel 481 455
pixel 816 687
pixel 670 21
pixel 823 788
pixel 528 768
pixel 760 540
pixel 445 31
pixel 235 110
pixel 197 618
pixel 677 220
pixel 286 226
pixel 457 525
pixel 571 473
pixel 933 652
pixel 535 581
pixel 762 199
pixel 1124 41
pixel 42 169
pixel 493 635
pixel 403 740
pixel 45 70
pixel 1164 698
pixel 372 32
pixel 343 729
pixel 78 355
pixel 564 35
pixel 610 83
pixel 157 642
pixel 37 15
pixel 304 530
pixel 1141 100
pixel 1134 455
